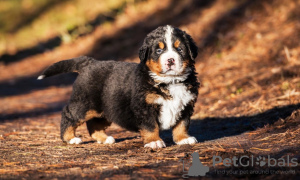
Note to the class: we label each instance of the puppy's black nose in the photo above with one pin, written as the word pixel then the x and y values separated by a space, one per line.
pixel 171 62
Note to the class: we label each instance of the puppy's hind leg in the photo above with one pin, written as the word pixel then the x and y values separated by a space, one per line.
pixel 73 115
pixel 68 127
pixel 96 128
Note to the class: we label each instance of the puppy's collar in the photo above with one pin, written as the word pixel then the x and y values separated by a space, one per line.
pixel 176 81
pixel 164 85
pixel 169 80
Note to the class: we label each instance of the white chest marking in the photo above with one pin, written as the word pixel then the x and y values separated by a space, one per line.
pixel 171 109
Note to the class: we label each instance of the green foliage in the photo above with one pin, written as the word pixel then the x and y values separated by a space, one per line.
pixel 25 23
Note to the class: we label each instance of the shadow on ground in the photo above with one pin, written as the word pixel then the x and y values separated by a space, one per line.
pixel 25 85
pixel 214 128
pixel 218 127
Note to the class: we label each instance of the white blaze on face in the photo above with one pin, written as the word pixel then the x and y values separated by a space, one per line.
pixel 169 54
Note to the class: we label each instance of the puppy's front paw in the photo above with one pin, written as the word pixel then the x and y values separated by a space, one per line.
pixel 75 140
pixel 156 144
pixel 108 140
pixel 189 140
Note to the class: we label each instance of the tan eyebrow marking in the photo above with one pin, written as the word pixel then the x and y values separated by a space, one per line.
pixel 161 45
pixel 176 43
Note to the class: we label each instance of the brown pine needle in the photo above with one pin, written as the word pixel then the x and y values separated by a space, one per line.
pixel 260 149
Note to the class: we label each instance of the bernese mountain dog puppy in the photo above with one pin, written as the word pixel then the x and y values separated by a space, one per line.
pixel 157 94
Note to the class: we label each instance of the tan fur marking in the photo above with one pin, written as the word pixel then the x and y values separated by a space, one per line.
pixel 189 87
pixel 180 132
pixel 99 136
pixel 69 133
pixel 97 131
pixel 92 114
pixel 176 43
pixel 185 63
pixel 89 115
pixel 166 92
pixel 149 136
pixel 161 45
pixel 150 98
pixel 154 66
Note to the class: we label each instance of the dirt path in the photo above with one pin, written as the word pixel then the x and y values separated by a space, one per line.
pixel 248 104
pixel 31 149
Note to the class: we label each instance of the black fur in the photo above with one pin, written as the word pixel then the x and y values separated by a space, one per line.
pixel 118 89
pixel 150 44
pixel 72 65
pixel 190 44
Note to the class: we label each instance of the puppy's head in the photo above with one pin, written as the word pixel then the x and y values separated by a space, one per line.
pixel 168 52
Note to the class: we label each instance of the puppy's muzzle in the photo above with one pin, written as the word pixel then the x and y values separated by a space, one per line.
pixel 170 62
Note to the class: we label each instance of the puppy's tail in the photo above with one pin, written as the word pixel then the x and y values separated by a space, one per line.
pixel 65 66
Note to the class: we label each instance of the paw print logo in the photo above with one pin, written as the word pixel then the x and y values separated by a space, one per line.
pixel 196 169
pixel 261 161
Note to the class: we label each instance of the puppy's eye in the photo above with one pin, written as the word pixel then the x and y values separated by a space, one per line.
pixel 179 49
pixel 159 51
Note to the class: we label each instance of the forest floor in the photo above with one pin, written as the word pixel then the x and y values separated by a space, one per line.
pixel 248 104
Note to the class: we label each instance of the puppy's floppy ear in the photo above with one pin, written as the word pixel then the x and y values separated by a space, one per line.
pixel 143 52
pixel 191 45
